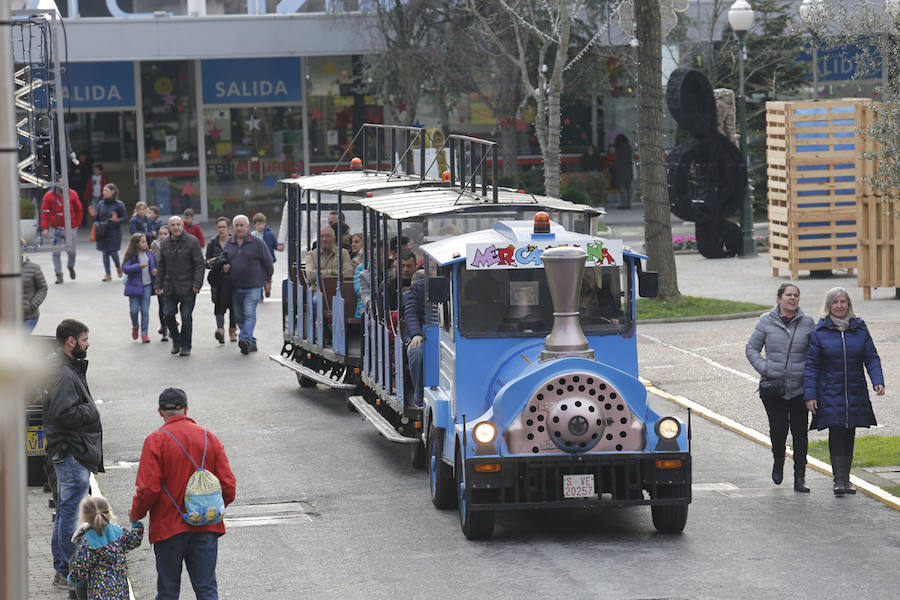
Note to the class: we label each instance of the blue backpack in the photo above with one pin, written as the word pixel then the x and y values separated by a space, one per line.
pixel 203 502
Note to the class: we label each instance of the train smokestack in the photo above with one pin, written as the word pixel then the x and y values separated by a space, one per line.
pixel 564 268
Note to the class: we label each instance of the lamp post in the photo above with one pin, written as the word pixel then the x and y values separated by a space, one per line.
pixel 740 17
pixel 811 15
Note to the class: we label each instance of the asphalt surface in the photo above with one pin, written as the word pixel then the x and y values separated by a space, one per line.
pixel 327 509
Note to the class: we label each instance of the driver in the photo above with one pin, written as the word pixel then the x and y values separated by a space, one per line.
pixel 598 304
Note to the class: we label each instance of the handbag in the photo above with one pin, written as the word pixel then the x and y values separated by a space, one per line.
pixel 94 232
pixel 773 389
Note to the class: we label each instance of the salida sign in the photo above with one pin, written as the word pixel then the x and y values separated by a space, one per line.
pixel 251 81
pixel 96 85
pixel 483 256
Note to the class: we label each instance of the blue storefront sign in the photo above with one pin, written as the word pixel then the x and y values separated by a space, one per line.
pixel 95 85
pixel 251 81
pixel 845 63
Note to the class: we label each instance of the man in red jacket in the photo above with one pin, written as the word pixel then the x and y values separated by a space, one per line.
pixel 163 463
pixel 53 223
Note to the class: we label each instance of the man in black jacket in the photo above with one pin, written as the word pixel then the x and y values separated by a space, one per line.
pixel 250 265
pixel 178 280
pixel 74 438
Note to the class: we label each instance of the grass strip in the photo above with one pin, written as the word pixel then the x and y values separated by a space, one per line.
pixel 869 451
pixel 693 306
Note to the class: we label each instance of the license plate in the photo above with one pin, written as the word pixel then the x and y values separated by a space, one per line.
pixel 34 441
pixel 578 486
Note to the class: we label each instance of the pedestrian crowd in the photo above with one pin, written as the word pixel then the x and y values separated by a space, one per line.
pixel 815 368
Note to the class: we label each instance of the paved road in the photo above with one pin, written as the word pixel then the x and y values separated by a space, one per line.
pixel 327 509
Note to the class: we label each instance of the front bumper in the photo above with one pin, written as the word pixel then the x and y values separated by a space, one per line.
pixel 623 479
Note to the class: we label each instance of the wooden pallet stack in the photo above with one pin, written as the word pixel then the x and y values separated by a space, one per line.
pixel 815 183
pixel 878 218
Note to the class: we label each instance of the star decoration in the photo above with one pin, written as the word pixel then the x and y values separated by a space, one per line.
pixel 221 114
pixel 330 68
pixel 315 115
pixel 215 133
pixel 252 123
pixel 185 156
pixel 400 106
pixel 217 204
pixel 245 141
pixel 348 147
pixel 155 154
pixel 187 189
pixel 262 151
pixel 169 99
pixel 566 122
pixel 247 191
pixel 269 181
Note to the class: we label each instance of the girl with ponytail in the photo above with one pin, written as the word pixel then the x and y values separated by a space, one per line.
pixel 100 551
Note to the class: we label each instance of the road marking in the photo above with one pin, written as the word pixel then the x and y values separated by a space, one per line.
pixel 762 439
pixel 708 361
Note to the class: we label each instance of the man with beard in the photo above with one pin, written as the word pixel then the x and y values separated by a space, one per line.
pixel 74 438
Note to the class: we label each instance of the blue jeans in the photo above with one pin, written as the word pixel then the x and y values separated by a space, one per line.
pixel 143 303
pixel 107 254
pixel 185 304
pixel 198 551
pixel 243 303
pixel 73 483
pixel 58 238
pixel 30 324
pixel 414 356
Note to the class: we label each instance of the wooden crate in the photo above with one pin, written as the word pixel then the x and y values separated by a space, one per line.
pixel 815 178
pixel 878 218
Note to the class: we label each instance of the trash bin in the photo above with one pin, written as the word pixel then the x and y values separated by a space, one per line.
pixel 35 452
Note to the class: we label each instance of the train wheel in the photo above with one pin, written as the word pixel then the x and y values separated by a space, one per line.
pixel 305 382
pixel 669 518
pixel 440 477
pixel 476 525
pixel 417 454
pixel 312 363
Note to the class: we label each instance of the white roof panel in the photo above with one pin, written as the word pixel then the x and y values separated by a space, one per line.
pixel 355 182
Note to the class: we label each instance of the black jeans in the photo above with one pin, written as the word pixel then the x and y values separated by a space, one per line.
pixel 788 414
pixel 840 440
pixel 184 305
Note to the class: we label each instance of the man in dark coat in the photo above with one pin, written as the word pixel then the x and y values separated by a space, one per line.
pixel 623 170
pixel 74 438
pixel 179 278
pixel 250 266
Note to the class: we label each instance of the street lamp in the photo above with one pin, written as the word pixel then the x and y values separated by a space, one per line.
pixel 811 15
pixel 740 17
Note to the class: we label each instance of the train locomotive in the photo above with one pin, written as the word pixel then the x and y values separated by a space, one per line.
pixel 517 420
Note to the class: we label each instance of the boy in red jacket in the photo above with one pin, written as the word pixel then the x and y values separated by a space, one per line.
pixel 53 224
pixel 191 228
pixel 163 463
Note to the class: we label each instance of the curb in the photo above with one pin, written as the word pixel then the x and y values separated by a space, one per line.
pixel 725 317
pixel 861 484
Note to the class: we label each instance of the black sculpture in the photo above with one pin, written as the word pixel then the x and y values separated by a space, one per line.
pixel 707 175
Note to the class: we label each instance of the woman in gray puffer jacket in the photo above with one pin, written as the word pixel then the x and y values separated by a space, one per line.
pixel 784 333
pixel 34 290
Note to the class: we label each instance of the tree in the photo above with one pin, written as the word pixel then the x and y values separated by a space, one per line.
pixel 655 192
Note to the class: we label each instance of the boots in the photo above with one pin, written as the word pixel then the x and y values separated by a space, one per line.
pixel 800 474
pixel 220 336
pixel 778 470
pixel 840 465
pixel 848 487
pixel 232 333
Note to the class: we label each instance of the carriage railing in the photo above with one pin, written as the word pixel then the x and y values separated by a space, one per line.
pixel 468 158
pixel 399 142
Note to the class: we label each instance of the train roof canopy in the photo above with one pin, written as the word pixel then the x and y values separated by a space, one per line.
pixel 437 201
pixel 357 182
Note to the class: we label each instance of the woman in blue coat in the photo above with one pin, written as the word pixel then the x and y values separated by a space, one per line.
pixel 834 384
pixel 111 213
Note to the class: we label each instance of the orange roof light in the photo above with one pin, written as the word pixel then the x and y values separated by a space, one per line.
pixel 356 164
pixel 445 176
pixel 542 223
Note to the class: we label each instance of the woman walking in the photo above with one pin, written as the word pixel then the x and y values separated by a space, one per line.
pixel 109 214
pixel 140 266
pixel 162 234
pixel 220 281
pixel 784 334
pixel 834 384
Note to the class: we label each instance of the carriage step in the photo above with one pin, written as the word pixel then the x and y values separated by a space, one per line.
pixel 310 374
pixel 380 423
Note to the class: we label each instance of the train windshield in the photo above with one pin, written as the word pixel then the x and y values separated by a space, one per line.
pixel 517 303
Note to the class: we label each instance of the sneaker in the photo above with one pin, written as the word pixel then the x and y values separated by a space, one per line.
pixel 60 581
pixel 71 272
pixel 244 345
pixel 107 277
pixel 185 352
pixel 164 338
pixel 134 333
pixel 175 348
pixel 145 339
pixel 268 294
pixel 59 278
pixel 119 272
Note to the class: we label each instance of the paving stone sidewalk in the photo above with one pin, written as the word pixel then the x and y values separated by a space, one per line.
pixel 40 558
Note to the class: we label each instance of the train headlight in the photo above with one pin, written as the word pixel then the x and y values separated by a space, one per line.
pixel 484 432
pixel 668 428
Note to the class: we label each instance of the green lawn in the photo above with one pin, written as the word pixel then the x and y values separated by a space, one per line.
pixel 692 306
pixel 869 451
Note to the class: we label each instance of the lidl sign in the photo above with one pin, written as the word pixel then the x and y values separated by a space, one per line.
pixel 491 256
pixel 251 81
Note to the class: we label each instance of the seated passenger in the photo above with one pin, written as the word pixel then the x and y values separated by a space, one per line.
pixel 407 268
pixel 413 332
pixel 599 304
pixel 329 258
